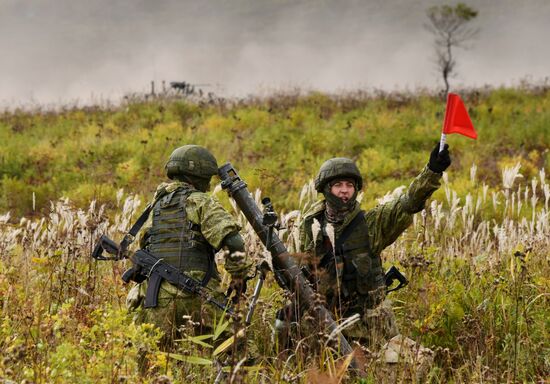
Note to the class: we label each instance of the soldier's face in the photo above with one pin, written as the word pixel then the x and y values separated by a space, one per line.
pixel 343 189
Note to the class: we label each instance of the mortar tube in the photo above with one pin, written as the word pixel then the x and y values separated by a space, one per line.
pixel 281 259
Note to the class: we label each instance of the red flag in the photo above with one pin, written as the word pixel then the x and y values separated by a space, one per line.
pixel 457 119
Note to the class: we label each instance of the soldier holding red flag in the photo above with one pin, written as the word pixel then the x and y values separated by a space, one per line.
pixel 343 243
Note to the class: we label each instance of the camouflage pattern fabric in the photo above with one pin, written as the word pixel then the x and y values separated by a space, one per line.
pixel 205 210
pixel 405 360
pixel 215 222
pixel 386 221
pixel 383 225
pixel 176 308
pixel 373 328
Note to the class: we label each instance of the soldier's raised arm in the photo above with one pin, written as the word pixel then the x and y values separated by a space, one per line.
pixel 387 221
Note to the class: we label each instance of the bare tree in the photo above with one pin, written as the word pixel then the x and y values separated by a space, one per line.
pixel 450 26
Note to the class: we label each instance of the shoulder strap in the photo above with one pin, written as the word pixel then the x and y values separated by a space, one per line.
pixel 131 235
pixel 348 231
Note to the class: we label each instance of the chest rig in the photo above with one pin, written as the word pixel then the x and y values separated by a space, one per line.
pixel 351 262
pixel 175 239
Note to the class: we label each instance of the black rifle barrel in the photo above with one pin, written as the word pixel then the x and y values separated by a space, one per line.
pixel 281 259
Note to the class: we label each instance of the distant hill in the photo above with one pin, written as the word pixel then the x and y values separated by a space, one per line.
pixel 277 143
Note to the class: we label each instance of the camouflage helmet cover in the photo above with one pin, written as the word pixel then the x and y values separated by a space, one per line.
pixel 191 160
pixel 338 167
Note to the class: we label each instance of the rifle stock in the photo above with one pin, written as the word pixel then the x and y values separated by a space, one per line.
pixel 108 245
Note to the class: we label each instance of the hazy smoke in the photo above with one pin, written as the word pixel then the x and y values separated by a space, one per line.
pixel 66 50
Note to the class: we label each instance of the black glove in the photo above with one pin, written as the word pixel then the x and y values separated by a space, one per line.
pixel 439 161
pixel 238 288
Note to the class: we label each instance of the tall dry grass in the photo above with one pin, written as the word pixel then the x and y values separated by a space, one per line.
pixel 478 296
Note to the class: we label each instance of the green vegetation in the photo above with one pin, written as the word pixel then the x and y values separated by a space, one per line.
pixel 477 258
pixel 277 143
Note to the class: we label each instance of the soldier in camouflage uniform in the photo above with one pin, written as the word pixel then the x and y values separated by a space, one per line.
pixel 187 228
pixel 348 274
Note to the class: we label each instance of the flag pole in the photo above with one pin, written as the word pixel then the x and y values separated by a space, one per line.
pixel 442 141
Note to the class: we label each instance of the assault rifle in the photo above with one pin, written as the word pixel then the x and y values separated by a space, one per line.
pixel 146 265
pixel 287 273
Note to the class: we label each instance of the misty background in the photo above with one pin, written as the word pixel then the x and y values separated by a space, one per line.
pixel 67 51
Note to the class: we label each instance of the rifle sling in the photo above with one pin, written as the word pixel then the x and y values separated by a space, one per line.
pixel 130 236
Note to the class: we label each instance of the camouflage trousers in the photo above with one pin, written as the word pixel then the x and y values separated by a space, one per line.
pixel 180 314
pixel 398 357
pixel 177 312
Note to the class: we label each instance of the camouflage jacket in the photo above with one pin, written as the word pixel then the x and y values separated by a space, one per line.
pixel 214 221
pixel 382 225
pixel 385 221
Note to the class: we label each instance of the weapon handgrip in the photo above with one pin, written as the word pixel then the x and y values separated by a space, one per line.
pixel 392 275
pixel 153 287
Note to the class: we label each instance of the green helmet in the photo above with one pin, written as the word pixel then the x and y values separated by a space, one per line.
pixel 191 160
pixel 338 167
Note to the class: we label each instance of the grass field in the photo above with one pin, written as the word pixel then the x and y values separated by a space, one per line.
pixel 477 258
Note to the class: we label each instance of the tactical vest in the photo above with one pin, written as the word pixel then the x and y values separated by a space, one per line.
pixel 177 240
pixel 358 269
